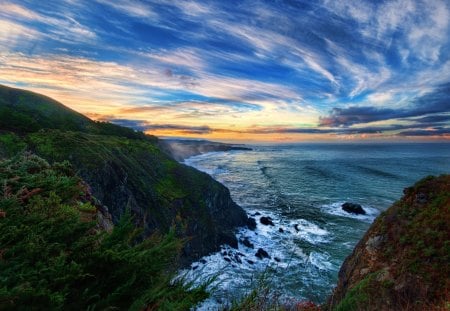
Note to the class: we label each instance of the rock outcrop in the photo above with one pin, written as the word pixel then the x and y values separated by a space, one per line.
pixel 353 208
pixel 403 261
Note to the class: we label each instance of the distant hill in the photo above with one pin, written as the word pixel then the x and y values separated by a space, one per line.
pixel 125 169
pixel 181 149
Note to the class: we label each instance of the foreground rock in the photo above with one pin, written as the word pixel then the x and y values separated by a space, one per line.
pixel 402 262
pixel 261 254
pixel 267 221
pixel 353 208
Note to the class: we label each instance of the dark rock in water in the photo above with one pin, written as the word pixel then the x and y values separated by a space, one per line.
pixel 203 261
pixel 237 259
pixel 194 267
pixel 227 259
pixel 256 214
pixel 262 254
pixel 240 254
pixel 247 243
pixel 250 261
pixel 277 259
pixel 266 221
pixel 353 208
pixel 251 223
pixel 296 227
pixel 280 230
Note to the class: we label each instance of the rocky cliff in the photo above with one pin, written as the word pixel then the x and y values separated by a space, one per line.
pixel 403 261
pixel 125 169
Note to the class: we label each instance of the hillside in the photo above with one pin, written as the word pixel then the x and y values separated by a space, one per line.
pixel 125 170
pixel 59 250
pixel 403 261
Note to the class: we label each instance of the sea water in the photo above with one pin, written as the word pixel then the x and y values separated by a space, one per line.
pixel 302 187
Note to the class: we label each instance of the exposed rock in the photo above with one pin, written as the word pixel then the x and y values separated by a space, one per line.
pixel 250 261
pixel 296 228
pixel 353 208
pixel 421 198
pixel 373 243
pixel 261 254
pixel 247 243
pixel 280 230
pixel 251 223
pixel 267 221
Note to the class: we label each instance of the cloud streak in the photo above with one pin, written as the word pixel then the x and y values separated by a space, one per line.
pixel 259 68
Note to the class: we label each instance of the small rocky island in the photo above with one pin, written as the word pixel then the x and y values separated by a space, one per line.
pixel 353 208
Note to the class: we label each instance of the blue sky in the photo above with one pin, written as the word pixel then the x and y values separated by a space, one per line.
pixel 239 70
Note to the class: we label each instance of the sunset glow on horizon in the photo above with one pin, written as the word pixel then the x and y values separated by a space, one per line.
pixel 247 71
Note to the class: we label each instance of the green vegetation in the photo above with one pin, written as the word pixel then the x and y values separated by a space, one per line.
pixel 125 169
pixel 410 269
pixel 53 256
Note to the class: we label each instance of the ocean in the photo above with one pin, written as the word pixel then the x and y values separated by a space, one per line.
pixel 302 187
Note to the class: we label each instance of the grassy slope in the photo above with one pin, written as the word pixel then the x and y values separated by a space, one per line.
pixel 53 256
pixel 125 168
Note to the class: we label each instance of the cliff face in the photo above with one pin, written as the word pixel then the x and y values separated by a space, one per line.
pixel 60 251
pixel 403 261
pixel 125 170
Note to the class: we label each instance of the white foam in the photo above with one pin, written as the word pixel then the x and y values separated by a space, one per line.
pixel 336 209
pixel 320 261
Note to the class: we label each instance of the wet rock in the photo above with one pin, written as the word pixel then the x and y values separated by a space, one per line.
pixel 281 230
pixel 277 259
pixel 250 261
pixel 227 259
pixel 353 208
pixel 247 243
pixel 251 223
pixel 296 227
pixel 267 221
pixel 237 259
pixel 203 261
pixel 262 254
pixel 194 267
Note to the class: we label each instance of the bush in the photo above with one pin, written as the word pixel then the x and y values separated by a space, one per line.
pixel 53 259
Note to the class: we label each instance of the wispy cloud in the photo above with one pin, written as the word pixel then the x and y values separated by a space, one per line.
pixel 271 69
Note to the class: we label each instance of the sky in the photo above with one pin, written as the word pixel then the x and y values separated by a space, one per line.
pixel 244 71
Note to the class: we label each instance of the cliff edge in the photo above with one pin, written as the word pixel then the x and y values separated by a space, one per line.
pixel 125 169
pixel 403 261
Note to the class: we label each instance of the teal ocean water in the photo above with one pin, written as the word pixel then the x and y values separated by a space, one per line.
pixel 302 187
